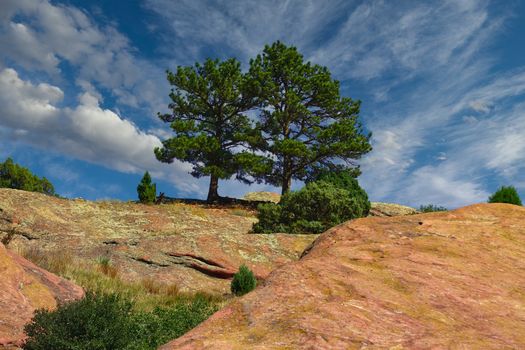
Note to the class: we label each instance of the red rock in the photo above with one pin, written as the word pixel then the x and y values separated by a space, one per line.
pixel 448 280
pixel 24 287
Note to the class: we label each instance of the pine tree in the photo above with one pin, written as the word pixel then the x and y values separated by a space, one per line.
pixel 146 190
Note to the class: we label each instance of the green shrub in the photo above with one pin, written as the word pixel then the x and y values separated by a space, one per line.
pixel 243 281
pixel 146 190
pixel 107 321
pixel 315 208
pixel 15 176
pixel 506 194
pixel 429 208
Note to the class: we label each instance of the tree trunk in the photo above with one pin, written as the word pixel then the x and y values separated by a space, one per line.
pixel 213 194
pixel 287 184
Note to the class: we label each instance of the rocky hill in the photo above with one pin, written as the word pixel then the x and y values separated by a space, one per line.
pixel 194 247
pixel 24 287
pixel 448 280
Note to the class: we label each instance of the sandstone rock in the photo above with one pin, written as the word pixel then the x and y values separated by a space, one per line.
pixel 390 209
pixel 198 248
pixel 24 287
pixel 262 196
pixel 448 280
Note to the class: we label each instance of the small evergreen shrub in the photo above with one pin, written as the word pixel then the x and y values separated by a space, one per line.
pixel 506 194
pixel 315 208
pixel 108 321
pixel 429 208
pixel 243 281
pixel 146 190
pixel 15 176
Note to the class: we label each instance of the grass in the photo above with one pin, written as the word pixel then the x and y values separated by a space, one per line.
pixel 101 276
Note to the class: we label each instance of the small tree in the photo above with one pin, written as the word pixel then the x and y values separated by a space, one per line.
pixel 243 281
pixel 212 131
pixel 146 190
pixel 429 208
pixel 307 126
pixel 506 194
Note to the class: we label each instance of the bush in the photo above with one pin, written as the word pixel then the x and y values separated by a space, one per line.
pixel 107 321
pixel 15 176
pixel 429 208
pixel 315 208
pixel 506 194
pixel 146 190
pixel 243 281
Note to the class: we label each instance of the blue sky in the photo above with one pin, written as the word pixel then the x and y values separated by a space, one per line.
pixel 442 85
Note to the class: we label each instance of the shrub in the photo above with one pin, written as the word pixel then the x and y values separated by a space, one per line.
pixel 429 208
pixel 243 281
pixel 107 321
pixel 146 190
pixel 315 208
pixel 506 194
pixel 15 176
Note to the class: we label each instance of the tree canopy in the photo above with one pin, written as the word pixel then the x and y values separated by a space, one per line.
pixel 212 131
pixel 15 176
pixel 306 125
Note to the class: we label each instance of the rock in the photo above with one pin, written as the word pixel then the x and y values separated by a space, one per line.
pixel 389 209
pixel 196 247
pixel 24 287
pixel 429 281
pixel 262 197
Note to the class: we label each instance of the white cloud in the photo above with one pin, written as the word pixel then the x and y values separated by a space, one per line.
pixel 39 35
pixel 86 132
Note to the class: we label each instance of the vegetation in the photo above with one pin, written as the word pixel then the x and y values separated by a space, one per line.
pixel 208 118
pixel 306 125
pixel 15 176
pixel 429 208
pixel 146 190
pixel 109 321
pixel 314 209
pixel 506 194
pixel 243 281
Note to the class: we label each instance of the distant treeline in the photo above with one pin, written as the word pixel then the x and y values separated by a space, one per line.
pixel 15 176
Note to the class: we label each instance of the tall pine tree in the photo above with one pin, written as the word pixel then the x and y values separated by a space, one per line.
pixel 212 131
pixel 307 126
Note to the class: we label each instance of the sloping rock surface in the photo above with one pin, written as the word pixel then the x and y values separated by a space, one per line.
pixel 195 247
pixel 449 280
pixel 390 209
pixel 24 287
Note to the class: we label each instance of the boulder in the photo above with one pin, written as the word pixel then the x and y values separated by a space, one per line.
pixel 24 287
pixel 447 280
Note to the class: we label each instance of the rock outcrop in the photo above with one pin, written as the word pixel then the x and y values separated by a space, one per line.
pixel 24 287
pixel 196 247
pixel 448 280
pixel 390 209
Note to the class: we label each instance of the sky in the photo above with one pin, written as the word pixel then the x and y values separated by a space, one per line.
pixel 442 85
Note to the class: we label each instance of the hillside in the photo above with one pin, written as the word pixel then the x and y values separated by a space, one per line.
pixel 449 280
pixel 194 247
pixel 25 287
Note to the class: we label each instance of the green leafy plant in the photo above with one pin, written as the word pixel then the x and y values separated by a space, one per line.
pixel 146 190
pixel 15 176
pixel 108 321
pixel 243 281
pixel 505 194
pixel 429 208
pixel 314 209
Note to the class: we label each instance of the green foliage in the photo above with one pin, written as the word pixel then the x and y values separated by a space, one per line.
pixel 146 190
pixel 15 176
pixel 107 321
pixel 243 281
pixel 429 208
pixel 208 106
pixel 315 208
pixel 306 125
pixel 506 194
